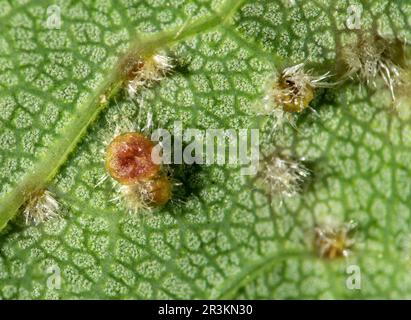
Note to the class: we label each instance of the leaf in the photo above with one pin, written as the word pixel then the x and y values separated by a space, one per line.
pixel 223 237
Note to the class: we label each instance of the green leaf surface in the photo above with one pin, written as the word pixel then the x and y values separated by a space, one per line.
pixel 221 236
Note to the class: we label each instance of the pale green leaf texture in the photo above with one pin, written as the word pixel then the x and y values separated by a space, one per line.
pixel 221 237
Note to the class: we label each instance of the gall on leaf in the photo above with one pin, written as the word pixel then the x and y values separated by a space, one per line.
pixel 146 194
pixel 282 176
pixel 334 241
pixel 371 56
pixel 41 206
pixel 143 181
pixel 129 160
pixel 291 92
pixel 139 72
